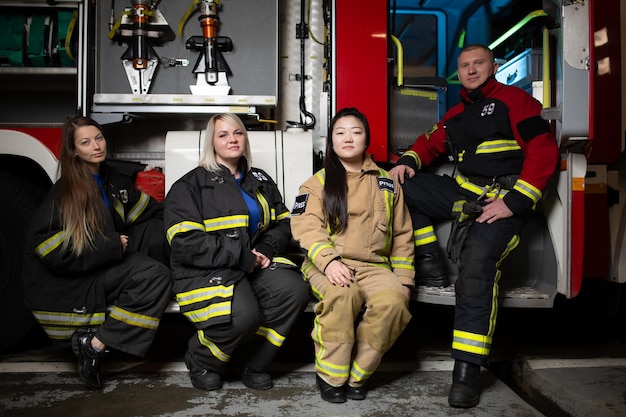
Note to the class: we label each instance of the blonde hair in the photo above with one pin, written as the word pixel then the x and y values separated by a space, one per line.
pixel 208 159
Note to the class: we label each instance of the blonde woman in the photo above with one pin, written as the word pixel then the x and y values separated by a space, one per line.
pixel 229 230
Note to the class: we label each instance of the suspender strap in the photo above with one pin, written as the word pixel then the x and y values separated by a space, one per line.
pixel 65 30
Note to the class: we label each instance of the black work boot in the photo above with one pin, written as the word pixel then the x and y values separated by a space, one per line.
pixel 356 393
pixel 330 393
pixel 202 378
pixel 430 270
pixel 465 391
pixel 255 380
pixel 89 360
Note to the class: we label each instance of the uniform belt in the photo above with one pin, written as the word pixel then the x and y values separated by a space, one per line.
pixel 506 182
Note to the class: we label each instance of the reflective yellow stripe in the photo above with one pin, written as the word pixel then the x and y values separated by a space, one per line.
pixel 458 206
pixel 50 244
pixel 217 352
pixel 61 326
pixel 209 312
pixel 478 190
pixel 183 227
pixel 413 155
pixel 283 215
pixel 69 319
pixel 307 266
pixel 398 262
pixel 495 146
pixel 471 342
pixel 283 260
pixel 424 235
pixel 316 248
pixel 339 371
pixel 321 176
pixel 139 208
pixel 481 344
pixel 226 222
pixel 389 206
pixel 58 333
pixel 528 190
pixel 271 336
pixel 512 244
pixel 134 319
pixel 203 294
pixel 359 373
pixel 119 208
pixel 267 215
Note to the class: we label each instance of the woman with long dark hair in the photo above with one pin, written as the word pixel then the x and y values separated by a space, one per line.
pixel 351 219
pixel 86 278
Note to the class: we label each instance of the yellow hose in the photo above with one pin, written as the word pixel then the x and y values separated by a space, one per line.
pixel 546 69
pixel 185 17
pixel 400 59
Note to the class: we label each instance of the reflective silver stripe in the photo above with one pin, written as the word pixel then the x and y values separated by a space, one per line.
pixel 424 236
pixel 271 336
pixel 528 190
pixel 317 248
pixel 204 294
pixel 471 342
pixel 495 146
pixel 183 227
pixel 216 351
pixel 209 312
pixel 359 373
pixel 402 263
pixel 134 319
pixel 227 222
pixel 50 244
pixel 69 319
pixel 139 208
pixel 119 208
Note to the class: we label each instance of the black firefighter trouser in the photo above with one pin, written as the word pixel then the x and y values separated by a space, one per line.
pixel 264 307
pixel 138 289
pixel 431 197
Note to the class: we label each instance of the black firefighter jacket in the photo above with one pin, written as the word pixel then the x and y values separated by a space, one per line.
pixel 56 279
pixel 206 220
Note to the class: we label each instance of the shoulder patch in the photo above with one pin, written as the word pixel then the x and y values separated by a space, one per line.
pixel 386 184
pixel 260 176
pixel 299 206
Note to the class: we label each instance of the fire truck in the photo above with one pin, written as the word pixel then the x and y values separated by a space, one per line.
pixel 153 72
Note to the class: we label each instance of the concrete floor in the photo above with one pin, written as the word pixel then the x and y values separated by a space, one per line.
pixel 546 362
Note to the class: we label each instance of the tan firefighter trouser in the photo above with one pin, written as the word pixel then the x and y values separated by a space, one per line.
pixel 385 316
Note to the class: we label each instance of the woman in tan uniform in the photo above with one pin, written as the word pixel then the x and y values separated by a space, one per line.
pixel 351 219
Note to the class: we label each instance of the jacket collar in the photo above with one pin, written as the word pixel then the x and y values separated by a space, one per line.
pixel 369 165
pixel 481 92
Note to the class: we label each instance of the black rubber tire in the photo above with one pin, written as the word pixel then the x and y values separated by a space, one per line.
pixel 18 201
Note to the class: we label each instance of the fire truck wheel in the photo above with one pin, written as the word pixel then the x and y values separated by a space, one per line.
pixel 17 206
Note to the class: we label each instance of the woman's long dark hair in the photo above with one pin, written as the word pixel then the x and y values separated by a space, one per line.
pixel 336 185
pixel 81 210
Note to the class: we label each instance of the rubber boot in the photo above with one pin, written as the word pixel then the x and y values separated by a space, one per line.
pixel 430 270
pixel 465 391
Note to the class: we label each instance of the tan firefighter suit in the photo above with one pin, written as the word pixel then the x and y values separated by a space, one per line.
pixel 378 246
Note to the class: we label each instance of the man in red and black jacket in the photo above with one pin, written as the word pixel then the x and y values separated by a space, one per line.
pixel 504 155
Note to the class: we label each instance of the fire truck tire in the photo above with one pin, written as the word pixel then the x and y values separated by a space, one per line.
pixel 17 205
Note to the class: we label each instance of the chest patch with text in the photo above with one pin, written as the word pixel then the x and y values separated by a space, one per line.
pixel 386 184
pixel 300 204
